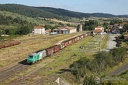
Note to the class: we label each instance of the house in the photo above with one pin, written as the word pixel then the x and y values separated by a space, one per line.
pixel 71 29
pixel 39 30
pixel 65 30
pixel 98 30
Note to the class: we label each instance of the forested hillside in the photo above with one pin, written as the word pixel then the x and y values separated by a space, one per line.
pixel 48 12
pixel 27 11
pixel 64 12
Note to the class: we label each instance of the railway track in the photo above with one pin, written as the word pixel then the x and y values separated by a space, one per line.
pixel 12 71
pixel 27 78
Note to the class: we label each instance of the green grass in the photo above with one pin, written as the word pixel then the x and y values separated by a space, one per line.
pixel 104 42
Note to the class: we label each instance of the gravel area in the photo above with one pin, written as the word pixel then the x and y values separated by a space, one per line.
pixel 111 42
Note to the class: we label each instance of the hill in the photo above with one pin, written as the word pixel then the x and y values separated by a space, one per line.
pixel 27 11
pixel 49 12
pixel 63 12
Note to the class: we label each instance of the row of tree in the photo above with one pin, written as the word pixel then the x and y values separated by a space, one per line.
pixel 99 64
pixel 23 30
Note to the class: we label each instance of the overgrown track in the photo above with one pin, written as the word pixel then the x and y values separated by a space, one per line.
pixel 12 71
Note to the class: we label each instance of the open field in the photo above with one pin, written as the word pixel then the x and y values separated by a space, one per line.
pixel 46 73
pixel 29 44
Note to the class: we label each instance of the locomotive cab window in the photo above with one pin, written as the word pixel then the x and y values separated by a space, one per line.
pixel 30 56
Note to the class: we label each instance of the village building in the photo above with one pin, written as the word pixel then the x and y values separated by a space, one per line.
pixel 71 29
pixel 98 30
pixel 117 29
pixel 38 30
pixel 65 30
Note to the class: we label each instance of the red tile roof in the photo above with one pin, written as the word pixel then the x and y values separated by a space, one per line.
pixel 38 27
pixel 97 30
pixel 99 27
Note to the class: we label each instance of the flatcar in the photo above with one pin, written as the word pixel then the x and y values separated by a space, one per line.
pixel 2 46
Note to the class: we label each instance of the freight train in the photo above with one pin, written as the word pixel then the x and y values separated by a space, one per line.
pixel 34 57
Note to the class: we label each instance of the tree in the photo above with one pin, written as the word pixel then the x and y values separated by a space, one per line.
pixel 125 27
pixel 10 31
pixel 48 27
pixel 90 25
pixel 78 68
pixel 0 34
pixel 105 25
pixel 25 30
pixel 89 81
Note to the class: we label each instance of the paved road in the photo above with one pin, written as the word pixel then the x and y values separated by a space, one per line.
pixel 120 70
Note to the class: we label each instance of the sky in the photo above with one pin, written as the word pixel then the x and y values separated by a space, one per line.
pixel 116 7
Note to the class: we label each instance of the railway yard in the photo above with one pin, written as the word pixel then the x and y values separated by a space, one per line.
pixel 14 54
pixel 20 73
pixel 14 71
